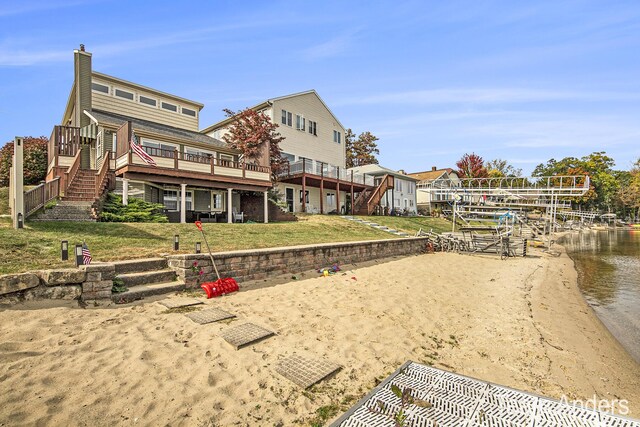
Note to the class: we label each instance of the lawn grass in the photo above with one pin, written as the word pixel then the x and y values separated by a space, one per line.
pixel 38 245
pixel 411 224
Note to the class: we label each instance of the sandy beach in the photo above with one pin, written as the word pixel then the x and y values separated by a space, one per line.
pixel 519 322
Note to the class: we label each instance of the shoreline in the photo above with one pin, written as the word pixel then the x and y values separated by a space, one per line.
pixel 522 323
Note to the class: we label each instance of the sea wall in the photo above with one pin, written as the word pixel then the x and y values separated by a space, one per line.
pixel 260 264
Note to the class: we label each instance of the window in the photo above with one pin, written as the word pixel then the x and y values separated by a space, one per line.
pixel 124 94
pixel 148 101
pixel 226 160
pixel 300 122
pixel 188 112
pixel 217 201
pixel 290 157
pixel 306 193
pixel 331 199
pixel 337 137
pixel 287 118
pixel 171 200
pixel 313 128
pixel 100 88
pixel 158 145
pixel 99 145
pixel 398 185
pixel 170 107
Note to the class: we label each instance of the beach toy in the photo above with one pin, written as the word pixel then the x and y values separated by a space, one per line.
pixel 216 286
pixel 325 273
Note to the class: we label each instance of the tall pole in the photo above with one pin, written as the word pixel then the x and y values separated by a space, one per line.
pixel 18 183
pixel 455 208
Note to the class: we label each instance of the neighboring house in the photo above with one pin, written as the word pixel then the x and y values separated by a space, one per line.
pixel 196 176
pixel 317 180
pixel 431 194
pixel 397 197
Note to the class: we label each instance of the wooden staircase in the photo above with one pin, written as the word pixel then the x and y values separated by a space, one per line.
pixel 367 201
pixel 83 187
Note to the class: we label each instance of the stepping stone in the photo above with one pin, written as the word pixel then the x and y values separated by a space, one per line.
pixel 209 316
pixel 305 372
pixel 245 334
pixel 180 302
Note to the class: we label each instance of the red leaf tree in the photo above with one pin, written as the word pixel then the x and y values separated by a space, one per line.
pixel 250 132
pixel 471 166
pixel 35 160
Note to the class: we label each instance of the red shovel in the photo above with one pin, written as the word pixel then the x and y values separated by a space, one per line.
pixel 220 286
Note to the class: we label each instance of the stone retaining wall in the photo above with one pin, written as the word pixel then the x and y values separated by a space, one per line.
pixel 92 282
pixel 262 263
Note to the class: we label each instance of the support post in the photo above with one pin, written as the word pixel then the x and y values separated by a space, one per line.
pixel 229 205
pixel 183 203
pixel 338 194
pixel 18 183
pixel 352 192
pixel 266 207
pixel 125 191
pixel 304 185
pixel 321 188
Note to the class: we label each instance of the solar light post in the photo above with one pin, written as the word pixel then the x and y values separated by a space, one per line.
pixel 79 258
pixel 198 247
pixel 176 242
pixel 64 249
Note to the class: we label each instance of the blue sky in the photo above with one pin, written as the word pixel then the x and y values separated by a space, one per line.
pixel 520 80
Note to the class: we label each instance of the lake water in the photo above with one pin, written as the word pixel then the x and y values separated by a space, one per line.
pixel 608 264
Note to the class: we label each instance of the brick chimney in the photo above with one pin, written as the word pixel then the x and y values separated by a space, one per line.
pixel 82 81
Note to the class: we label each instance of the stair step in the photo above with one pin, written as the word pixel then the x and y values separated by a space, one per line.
pixel 147 277
pixel 140 265
pixel 78 199
pixel 142 291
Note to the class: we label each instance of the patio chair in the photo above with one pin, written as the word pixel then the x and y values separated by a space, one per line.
pixel 238 216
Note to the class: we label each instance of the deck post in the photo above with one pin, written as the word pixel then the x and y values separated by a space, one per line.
pixel 338 194
pixel 125 191
pixel 352 192
pixel 304 185
pixel 175 159
pixel 229 205
pixel 321 188
pixel 266 207
pixel 183 203
pixel 17 183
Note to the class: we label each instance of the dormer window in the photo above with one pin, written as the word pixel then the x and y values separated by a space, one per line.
pixel 148 101
pixel 124 94
pixel 170 107
pixel 188 112
pixel 100 88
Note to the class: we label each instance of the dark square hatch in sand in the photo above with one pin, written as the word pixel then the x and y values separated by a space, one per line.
pixel 305 372
pixel 209 315
pixel 245 334
pixel 180 302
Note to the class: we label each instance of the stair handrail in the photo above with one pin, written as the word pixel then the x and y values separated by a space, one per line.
pixel 71 173
pixel 359 200
pixel 103 174
pixel 40 195
pixel 377 193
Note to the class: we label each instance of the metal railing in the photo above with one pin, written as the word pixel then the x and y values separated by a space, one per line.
pixel 326 170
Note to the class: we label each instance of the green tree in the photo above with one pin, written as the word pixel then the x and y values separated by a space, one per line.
pixel 361 151
pixel 35 160
pixel 249 132
pixel 501 168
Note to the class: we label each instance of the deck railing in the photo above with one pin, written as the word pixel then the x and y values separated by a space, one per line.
pixel 38 196
pixel 103 174
pixel 71 173
pixel 64 141
pixel 326 170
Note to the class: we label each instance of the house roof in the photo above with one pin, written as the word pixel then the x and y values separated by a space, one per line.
pixel 117 120
pixel 270 102
pixel 431 175
pixel 376 170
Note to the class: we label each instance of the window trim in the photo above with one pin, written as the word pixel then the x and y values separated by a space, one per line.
pixel 93 89
pixel 163 103
pixel 115 93
pixel 313 128
pixel 195 113
pixel 149 98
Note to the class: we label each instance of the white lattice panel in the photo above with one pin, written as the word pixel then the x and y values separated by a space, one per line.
pixel 458 401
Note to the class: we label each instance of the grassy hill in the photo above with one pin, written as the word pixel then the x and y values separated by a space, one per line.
pixel 4 201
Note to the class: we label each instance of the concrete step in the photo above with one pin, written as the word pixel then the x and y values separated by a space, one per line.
pixel 78 199
pixel 140 265
pixel 147 277
pixel 142 291
pixel 78 204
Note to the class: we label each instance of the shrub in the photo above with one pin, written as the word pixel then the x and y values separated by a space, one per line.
pixel 136 211
pixel 35 160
